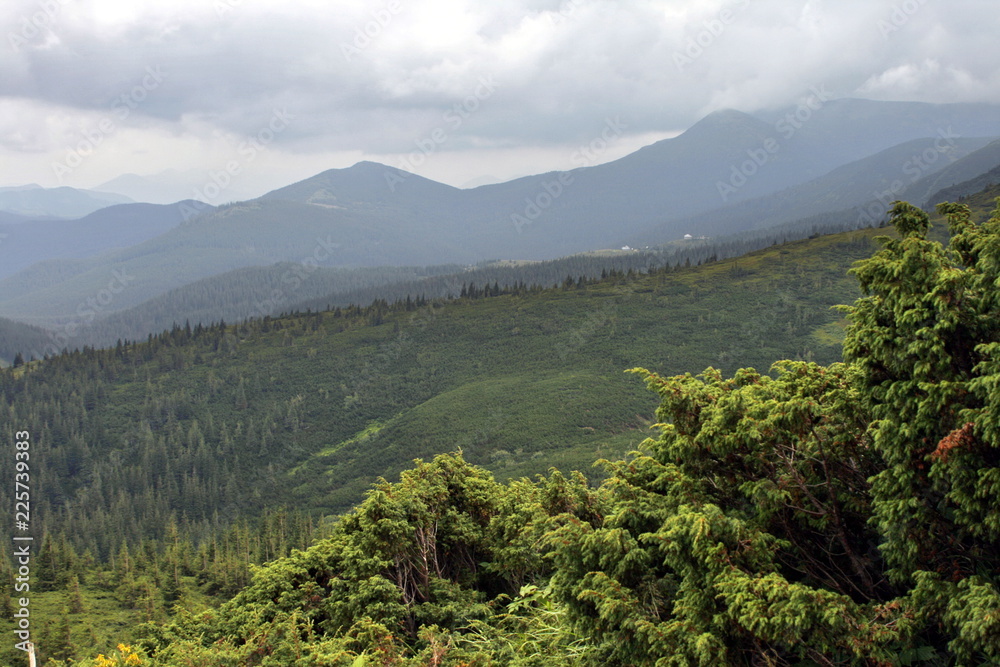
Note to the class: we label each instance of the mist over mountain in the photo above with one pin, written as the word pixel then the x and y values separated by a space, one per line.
pixel 728 173
pixel 119 226
pixel 63 202
pixel 970 175
pixel 843 130
pixel 866 187
pixel 726 158
pixel 172 185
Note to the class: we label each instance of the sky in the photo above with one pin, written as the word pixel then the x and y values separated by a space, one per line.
pixel 261 93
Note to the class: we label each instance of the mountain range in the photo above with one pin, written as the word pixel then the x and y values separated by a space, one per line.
pixel 33 201
pixel 173 185
pixel 729 173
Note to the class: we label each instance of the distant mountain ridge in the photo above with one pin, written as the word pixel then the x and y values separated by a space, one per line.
pixel 907 171
pixel 63 202
pixel 172 185
pixel 119 226
pixel 708 167
pixel 965 177
pixel 730 172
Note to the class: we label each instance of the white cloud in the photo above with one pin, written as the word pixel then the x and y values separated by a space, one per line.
pixel 929 81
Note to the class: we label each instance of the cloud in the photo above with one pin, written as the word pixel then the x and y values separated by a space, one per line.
pixel 928 81
pixel 371 78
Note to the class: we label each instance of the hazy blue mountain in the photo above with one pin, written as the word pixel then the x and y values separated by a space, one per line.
pixel 725 158
pixel 729 172
pixel 120 226
pixel 256 233
pixel 172 185
pixel 382 215
pixel 63 202
pixel 959 179
pixel 989 181
pixel 7 218
pixel 906 171
pixel 845 130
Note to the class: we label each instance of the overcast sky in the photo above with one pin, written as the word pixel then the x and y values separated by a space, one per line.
pixel 455 90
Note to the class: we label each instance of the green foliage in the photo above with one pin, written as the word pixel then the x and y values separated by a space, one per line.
pixel 925 339
pixel 720 569
pixel 411 572
pixel 840 514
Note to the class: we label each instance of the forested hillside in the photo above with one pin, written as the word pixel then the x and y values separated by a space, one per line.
pixel 169 467
pixel 194 433
pixel 837 513
pixel 309 409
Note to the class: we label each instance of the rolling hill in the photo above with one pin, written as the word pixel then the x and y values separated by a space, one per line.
pixel 962 179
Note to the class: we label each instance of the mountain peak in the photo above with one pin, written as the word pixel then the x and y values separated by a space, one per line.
pixel 365 182
pixel 727 121
pixel 368 164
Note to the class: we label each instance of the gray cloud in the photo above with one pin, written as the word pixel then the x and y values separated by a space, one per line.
pixel 373 77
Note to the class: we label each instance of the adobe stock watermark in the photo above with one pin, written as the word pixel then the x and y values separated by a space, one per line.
pixel 365 35
pixel 710 30
pixel 32 25
pixel 22 541
pixel 248 150
pixel 914 168
pixel 87 311
pixel 120 109
pixel 585 156
pixel 431 142
pixel 899 17
pixel 787 126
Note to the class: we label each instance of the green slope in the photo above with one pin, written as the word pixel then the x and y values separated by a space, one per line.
pixel 306 411
pixel 761 493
